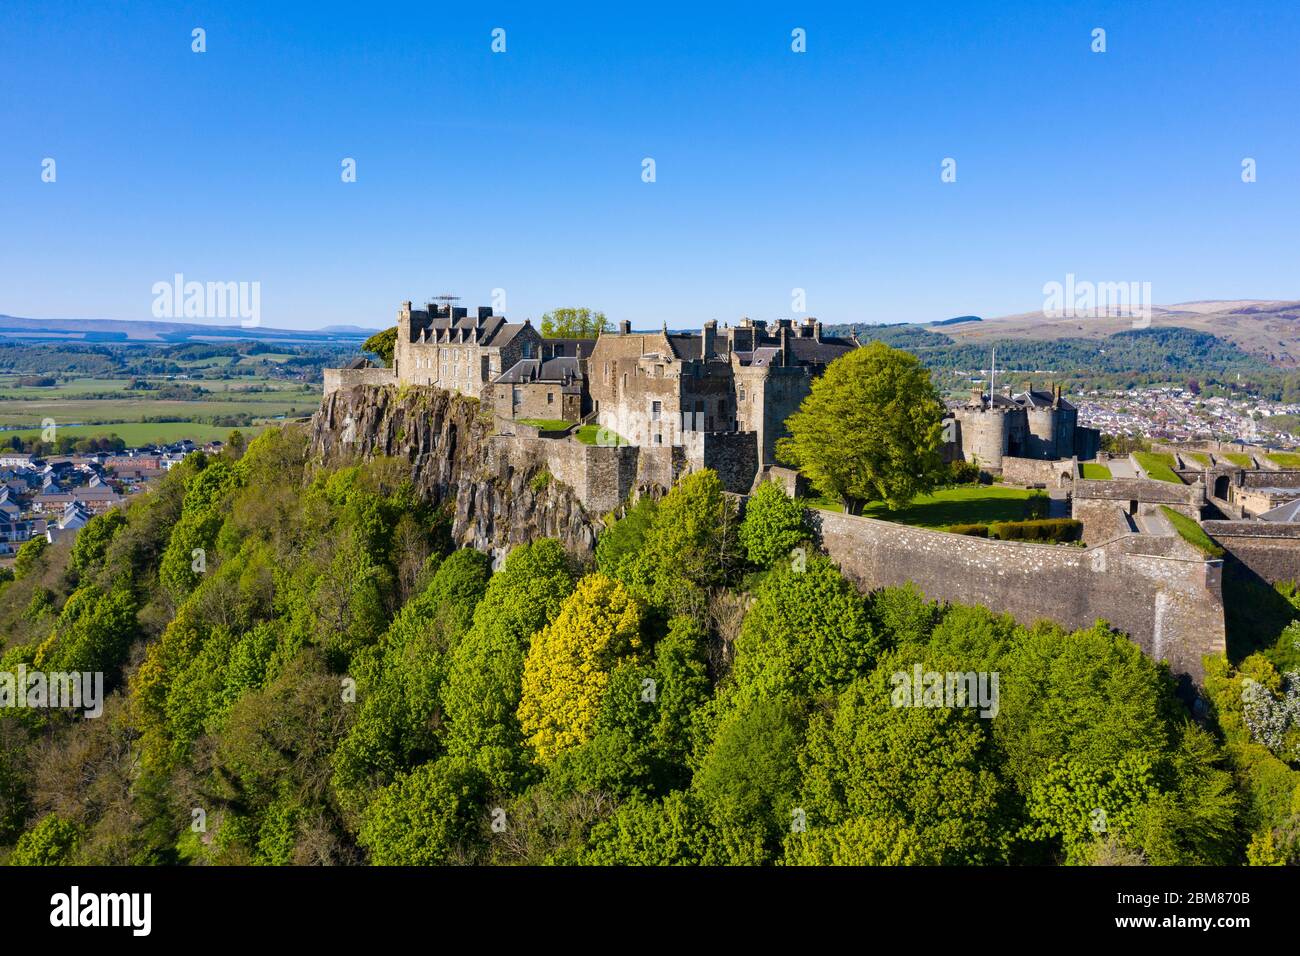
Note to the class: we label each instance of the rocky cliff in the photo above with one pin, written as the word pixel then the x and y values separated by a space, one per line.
pixel 502 491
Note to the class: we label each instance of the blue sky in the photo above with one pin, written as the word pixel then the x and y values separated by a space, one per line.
pixel 522 170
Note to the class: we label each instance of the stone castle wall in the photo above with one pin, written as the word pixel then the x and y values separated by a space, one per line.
pixel 1034 471
pixel 1145 490
pixel 1171 606
pixel 1271 549
pixel 337 378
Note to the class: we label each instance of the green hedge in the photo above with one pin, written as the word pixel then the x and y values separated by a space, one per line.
pixel 1056 530
pixel 1046 529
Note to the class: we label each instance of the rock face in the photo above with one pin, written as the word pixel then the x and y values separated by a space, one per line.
pixel 502 492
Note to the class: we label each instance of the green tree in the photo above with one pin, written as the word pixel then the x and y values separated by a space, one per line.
pixel 428 817
pixel 29 557
pixel 574 324
pixel 807 632
pixel 859 841
pixel 92 541
pixel 870 429
pixel 1090 695
pixel 774 525
pixel 750 775
pixel 51 842
pixel 620 544
pixel 674 831
pixel 383 345
pixel 691 546
pixel 93 633
pixel 485 677
pixel 932 770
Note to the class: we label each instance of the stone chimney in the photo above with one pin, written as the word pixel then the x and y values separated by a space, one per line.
pixel 710 338
pixel 624 327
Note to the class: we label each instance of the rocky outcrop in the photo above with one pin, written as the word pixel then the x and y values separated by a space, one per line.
pixel 501 490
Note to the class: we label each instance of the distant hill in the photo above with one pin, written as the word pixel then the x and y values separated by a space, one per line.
pixel 14 328
pixel 1266 329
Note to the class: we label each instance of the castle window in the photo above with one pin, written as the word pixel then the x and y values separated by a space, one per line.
pixel 550 398
pixel 742 393
pixel 528 350
pixel 659 439
pixel 655 409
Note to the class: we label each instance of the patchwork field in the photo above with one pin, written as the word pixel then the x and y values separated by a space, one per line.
pixel 145 433
pixel 87 407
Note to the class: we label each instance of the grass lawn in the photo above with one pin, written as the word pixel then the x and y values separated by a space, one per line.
pixel 1192 533
pixel 1094 470
pixel 1199 457
pixel 967 504
pixel 1236 457
pixel 822 504
pixel 547 424
pixel 596 435
pixel 1285 459
pixel 143 433
pixel 1158 465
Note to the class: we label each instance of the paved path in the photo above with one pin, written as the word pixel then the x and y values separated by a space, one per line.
pixel 1121 468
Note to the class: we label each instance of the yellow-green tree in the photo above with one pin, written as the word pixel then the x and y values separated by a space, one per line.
pixel 569 663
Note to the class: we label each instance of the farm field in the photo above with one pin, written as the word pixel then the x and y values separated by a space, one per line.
pixel 144 433
pixel 98 406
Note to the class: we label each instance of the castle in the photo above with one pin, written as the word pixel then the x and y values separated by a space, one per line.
pixel 1034 424
pixel 656 388
pixel 715 398
pixel 665 403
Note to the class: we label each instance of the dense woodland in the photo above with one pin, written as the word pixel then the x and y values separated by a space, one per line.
pixel 303 670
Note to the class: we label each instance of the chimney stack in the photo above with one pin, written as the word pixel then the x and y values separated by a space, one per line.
pixel 710 338
pixel 624 327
